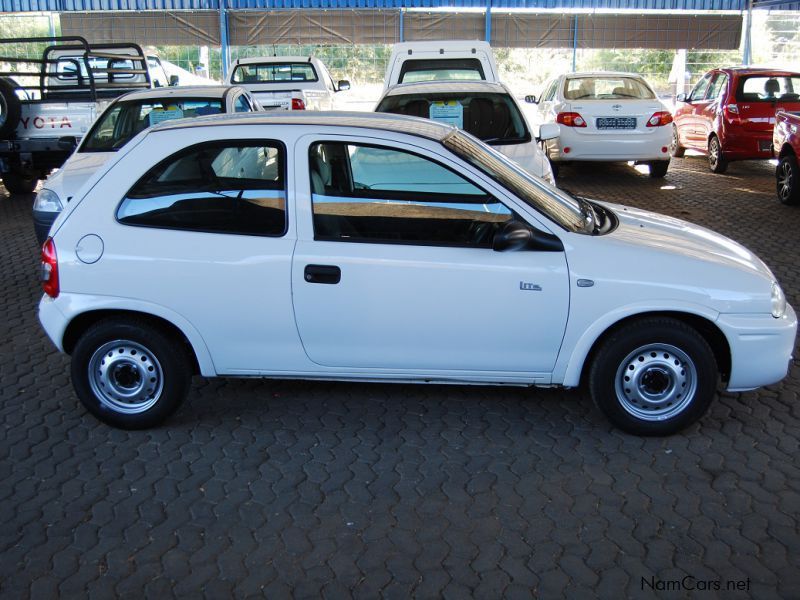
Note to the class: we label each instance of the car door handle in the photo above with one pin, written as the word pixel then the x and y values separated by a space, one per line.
pixel 322 274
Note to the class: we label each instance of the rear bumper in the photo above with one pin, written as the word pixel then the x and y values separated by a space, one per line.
pixel 761 348
pixel 652 145
pixel 747 145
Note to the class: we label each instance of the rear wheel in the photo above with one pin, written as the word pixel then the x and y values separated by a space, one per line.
pixel 655 376
pixel 16 183
pixel 716 160
pixel 658 168
pixel 787 176
pixel 130 374
pixel 675 148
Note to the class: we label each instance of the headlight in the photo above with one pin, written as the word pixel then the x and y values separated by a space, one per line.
pixel 778 301
pixel 47 201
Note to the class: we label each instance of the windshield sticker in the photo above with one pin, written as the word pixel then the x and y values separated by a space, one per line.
pixel 159 116
pixel 448 111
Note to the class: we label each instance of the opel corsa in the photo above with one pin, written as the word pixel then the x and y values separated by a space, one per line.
pixel 283 246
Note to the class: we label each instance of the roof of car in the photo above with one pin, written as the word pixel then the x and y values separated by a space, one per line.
pixel 189 91
pixel 274 59
pixel 441 87
pixel 744 70
pixel 387 122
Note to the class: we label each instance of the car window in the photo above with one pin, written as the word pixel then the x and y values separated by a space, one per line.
pixel 551 91
pixel 491 117
pixel 274 72
pixel 157 73
pixel 699 91
pixel 374 194
pixel 443 69
pixel 718 86
pixel 220 187
pixel 768 88
pixel 125 119
pixel 242 104
pixel 606 88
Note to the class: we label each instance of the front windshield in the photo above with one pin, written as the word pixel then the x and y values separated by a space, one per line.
pixel 491 117
pixel 127 118
pixel 566 211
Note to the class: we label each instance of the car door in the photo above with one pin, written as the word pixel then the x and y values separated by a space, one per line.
pixel 394 269
pixel 694 129
pixel 710 109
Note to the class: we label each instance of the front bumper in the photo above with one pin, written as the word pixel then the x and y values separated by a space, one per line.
pixel 761 348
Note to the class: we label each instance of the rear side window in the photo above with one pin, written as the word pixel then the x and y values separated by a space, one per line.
pixel 383 195
pixel 720 82
pixel 446 69
pixel 768 88
pixel 221 187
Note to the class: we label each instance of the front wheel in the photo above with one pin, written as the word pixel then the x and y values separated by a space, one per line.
pixel 787 177
pixel 655 376
pixel 716 160
pixel 129 374
pixel 658 168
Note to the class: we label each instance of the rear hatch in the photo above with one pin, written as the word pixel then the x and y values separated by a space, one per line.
pixel 760 96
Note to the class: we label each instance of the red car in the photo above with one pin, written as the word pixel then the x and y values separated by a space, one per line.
pixel 730 114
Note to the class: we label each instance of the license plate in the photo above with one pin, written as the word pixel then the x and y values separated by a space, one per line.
pixel 765 145
pixel 616 123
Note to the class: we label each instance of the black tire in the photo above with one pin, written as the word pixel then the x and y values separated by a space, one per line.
pixel 716 159
pixel 17 183
pixel 658 168
pixel 10 108
pixel 675 148
pixel 115 358
pixel 787 180
pixel 671 371
pixel 554 167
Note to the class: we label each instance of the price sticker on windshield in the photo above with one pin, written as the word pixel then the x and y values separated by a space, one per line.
pixel 447 111
pixel 158 116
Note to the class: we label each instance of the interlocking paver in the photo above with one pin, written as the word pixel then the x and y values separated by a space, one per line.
pixel 264 488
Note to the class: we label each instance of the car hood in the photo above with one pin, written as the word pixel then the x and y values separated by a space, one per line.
pixel 529 156
pixel 656 257
pixel 75 172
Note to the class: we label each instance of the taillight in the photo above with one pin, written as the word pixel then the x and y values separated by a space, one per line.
pixel 570 119
pixel 731 112
pixel 660 118
pixel 298 104
pixel 49 269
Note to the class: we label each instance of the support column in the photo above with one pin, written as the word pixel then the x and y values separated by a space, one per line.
pixel 747 52
pixel 402 19
pixel 574 43
pixel 225 51
pixel 488 33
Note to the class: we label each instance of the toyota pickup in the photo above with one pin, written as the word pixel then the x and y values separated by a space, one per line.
pixel 51 90
pixel 786 146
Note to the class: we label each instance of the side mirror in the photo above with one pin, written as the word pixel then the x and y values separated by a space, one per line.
pixel 516 235
pixel 682 98
pixel 174 80
pixel 549 131
pixel 68 142
pixel 531 99
pixel 343 85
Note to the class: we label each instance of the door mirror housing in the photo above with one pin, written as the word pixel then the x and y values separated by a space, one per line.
pixel 174 80
pixel 516 235
pixel 531 99
pixel 682 98
pixel 343 85
pixel 549 131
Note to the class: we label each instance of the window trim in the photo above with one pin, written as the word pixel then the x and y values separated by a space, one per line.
pixel 248 143
pixel 514 214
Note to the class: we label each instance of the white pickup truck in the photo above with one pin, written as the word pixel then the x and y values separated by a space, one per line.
pixel 287 82
pixel 453 60
pixel 49 101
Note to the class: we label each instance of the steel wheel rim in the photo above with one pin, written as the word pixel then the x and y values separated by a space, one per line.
pixel 713 152
pixel 126 377
pixel 784 181
pixel 656 382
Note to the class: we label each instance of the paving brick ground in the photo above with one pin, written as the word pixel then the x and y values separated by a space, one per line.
pixel 283 488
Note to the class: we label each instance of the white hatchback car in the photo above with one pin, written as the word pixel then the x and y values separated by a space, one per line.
pixel 606 117
pixel 486 110
pixel 265 245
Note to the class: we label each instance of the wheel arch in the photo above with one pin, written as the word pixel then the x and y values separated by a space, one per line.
pixel 704 326
pixel 84 320
pixel 786 150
